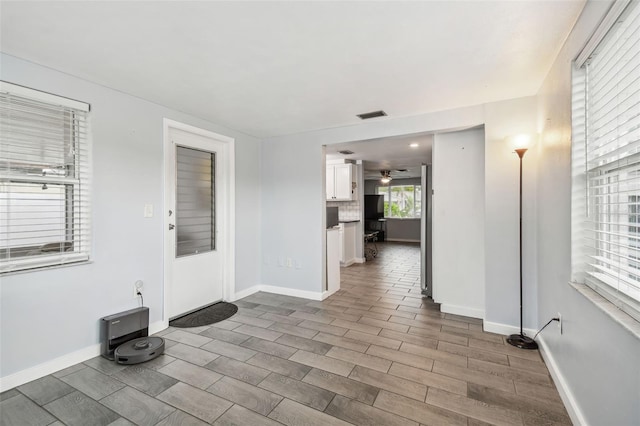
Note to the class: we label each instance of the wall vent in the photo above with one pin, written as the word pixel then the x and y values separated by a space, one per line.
pixel 373 114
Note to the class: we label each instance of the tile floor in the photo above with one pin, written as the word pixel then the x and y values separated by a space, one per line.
pixel 375 353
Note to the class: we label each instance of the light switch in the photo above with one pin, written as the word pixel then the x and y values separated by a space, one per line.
pixel 148 210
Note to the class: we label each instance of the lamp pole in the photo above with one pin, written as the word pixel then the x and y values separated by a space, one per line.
pixel 520 340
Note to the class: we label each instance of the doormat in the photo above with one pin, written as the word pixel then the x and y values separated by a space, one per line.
pixel 211 314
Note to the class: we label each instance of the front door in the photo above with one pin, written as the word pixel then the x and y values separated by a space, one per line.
pixel 195 194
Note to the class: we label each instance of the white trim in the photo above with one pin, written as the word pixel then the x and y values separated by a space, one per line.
pixel 41 262
pixel 245 293
pixel 41 96
pixel 506 330
pixel 601 31
pixel 229 260
pixel 360 260
pixel 158 326
pixel 65 361
pixel 348 263
pixel 570 403
pixel 401 240
pixel 607 306
pixel 230 255
pixel 285 291
pixel 328 293
pixel 46 368
pixel 461 310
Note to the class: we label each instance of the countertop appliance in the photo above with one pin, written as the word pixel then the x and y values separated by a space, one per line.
pixel 332 217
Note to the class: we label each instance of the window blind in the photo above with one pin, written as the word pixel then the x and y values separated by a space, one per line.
pixel 44 180
pixel 195 201
pixel 606 136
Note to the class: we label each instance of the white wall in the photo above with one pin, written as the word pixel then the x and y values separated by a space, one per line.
pixel 52 313
pixel 502 298
pixel 596 359
pixel 292 222
pixel 403 230
pixel 292 200
pixel 458 217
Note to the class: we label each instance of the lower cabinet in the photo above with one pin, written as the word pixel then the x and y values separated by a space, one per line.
pixel 333 260
pixel 347 243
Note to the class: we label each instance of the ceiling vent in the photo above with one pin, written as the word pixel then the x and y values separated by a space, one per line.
pixel 346 152
pixel 401 170
pixel 374 114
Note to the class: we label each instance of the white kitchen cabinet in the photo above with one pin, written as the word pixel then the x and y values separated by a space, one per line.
pixel 333 261
pixel 347 243
pixel 340 182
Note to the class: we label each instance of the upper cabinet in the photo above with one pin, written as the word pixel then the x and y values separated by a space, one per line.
pixel 340 182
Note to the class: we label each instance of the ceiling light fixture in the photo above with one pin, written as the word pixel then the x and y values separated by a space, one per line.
pixel 386 176
pixel 414 145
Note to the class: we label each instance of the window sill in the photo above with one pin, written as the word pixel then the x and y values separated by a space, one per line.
pixel 402 218
pixel 28 267
pixel 619 316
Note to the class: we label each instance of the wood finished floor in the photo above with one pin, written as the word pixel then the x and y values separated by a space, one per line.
pixel 375 353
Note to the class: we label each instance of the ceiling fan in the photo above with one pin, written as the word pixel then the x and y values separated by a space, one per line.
pixel 386 176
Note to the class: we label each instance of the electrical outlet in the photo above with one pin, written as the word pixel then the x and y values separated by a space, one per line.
pixel 289 262
pixel 560 322
pixel 137 287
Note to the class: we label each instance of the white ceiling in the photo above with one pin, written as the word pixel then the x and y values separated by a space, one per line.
pixel 394 154
pixel 274 68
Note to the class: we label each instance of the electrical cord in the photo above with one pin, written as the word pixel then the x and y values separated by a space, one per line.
pixel 545 326
pixel 141 298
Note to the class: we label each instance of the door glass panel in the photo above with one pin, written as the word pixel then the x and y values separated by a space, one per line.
pixel 195 201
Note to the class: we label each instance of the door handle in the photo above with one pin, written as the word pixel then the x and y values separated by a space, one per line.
pixel 171 226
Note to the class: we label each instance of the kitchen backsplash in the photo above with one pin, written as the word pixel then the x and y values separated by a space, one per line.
pixel 347 210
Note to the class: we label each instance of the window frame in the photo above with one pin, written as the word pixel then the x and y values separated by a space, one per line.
pixel 75 246
pixel 603 214
pixel 387 199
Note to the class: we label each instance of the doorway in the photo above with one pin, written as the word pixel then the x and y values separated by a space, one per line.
pixel 395 169
pixel 198 219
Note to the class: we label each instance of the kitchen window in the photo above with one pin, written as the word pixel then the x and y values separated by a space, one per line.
pixel 402 201
pixel 606 163
pixel 44 180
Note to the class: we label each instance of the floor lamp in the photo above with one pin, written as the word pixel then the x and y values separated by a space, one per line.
pixel 520 340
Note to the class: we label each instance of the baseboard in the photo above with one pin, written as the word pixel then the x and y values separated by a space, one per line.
pixel 33 373
pixel 326 294
pixel 285 291
pixel 577 418
pixel 41 370
pixel 401 240
pixel 506 330
pixel 158 326
pixel 245 293
pixel 352 261
pixel 461 310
